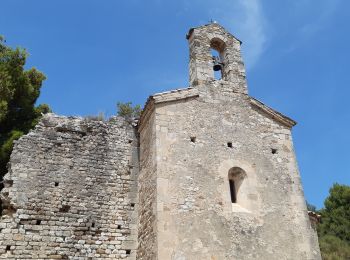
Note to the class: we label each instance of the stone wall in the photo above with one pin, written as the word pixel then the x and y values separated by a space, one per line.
pixel 147 233
pixel 71 191
pixel 199 138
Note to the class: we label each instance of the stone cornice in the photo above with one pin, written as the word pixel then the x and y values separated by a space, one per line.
pixel 273 113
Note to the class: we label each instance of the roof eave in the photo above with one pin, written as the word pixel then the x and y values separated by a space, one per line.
pixel 273 113
pixel 163 97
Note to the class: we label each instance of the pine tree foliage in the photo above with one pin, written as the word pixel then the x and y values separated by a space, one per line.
pixel 19 90
pixel 334 229
pixel 128 111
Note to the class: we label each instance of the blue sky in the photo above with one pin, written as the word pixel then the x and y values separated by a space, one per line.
pixel 296 52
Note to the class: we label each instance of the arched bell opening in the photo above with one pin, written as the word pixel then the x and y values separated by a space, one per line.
pixel 217 48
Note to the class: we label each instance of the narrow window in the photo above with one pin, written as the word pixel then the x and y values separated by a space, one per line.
pixel 229 144
pixel 8 248
pixel 233 191
pixel 38 221
pixel 128 251
pixel 236 177
pixel 193 139
pixel 56 184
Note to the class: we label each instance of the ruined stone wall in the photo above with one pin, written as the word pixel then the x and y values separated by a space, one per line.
pixel 71 192
pixel 195 217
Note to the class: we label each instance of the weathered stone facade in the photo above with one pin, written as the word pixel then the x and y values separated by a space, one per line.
pixel 212 140
pixel 71 192
pixel 218 177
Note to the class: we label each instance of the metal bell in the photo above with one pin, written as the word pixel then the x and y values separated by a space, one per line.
pixel 217 63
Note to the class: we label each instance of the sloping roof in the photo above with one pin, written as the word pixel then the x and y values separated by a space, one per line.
pixel 175 94
pixel 167 96
pixel 190 92
pixel 273 113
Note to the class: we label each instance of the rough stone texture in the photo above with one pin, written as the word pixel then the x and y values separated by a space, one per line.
pixel 71 192
pixel 192 161
pixel 147 234
pixel 213 36
pixel 315 219
pixel 74 190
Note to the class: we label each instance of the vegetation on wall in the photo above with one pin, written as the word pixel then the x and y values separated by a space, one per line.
pixel 128 111
pixel 334 229
pixel 19 90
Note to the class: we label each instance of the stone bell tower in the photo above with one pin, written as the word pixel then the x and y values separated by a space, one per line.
pixel 215 37
pixel 218 174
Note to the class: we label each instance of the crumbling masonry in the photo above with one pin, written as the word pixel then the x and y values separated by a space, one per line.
pixel 208 173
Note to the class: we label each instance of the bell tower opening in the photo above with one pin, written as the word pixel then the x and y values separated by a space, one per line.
pixel 217 48
pixel 217 64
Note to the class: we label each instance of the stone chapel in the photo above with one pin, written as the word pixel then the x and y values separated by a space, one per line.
pixel 208 173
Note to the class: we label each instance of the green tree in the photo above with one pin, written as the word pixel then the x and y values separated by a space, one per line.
pixel 334 229
pixel 333 248
pixel 19 90
pixel 128 111
pixel 336 213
